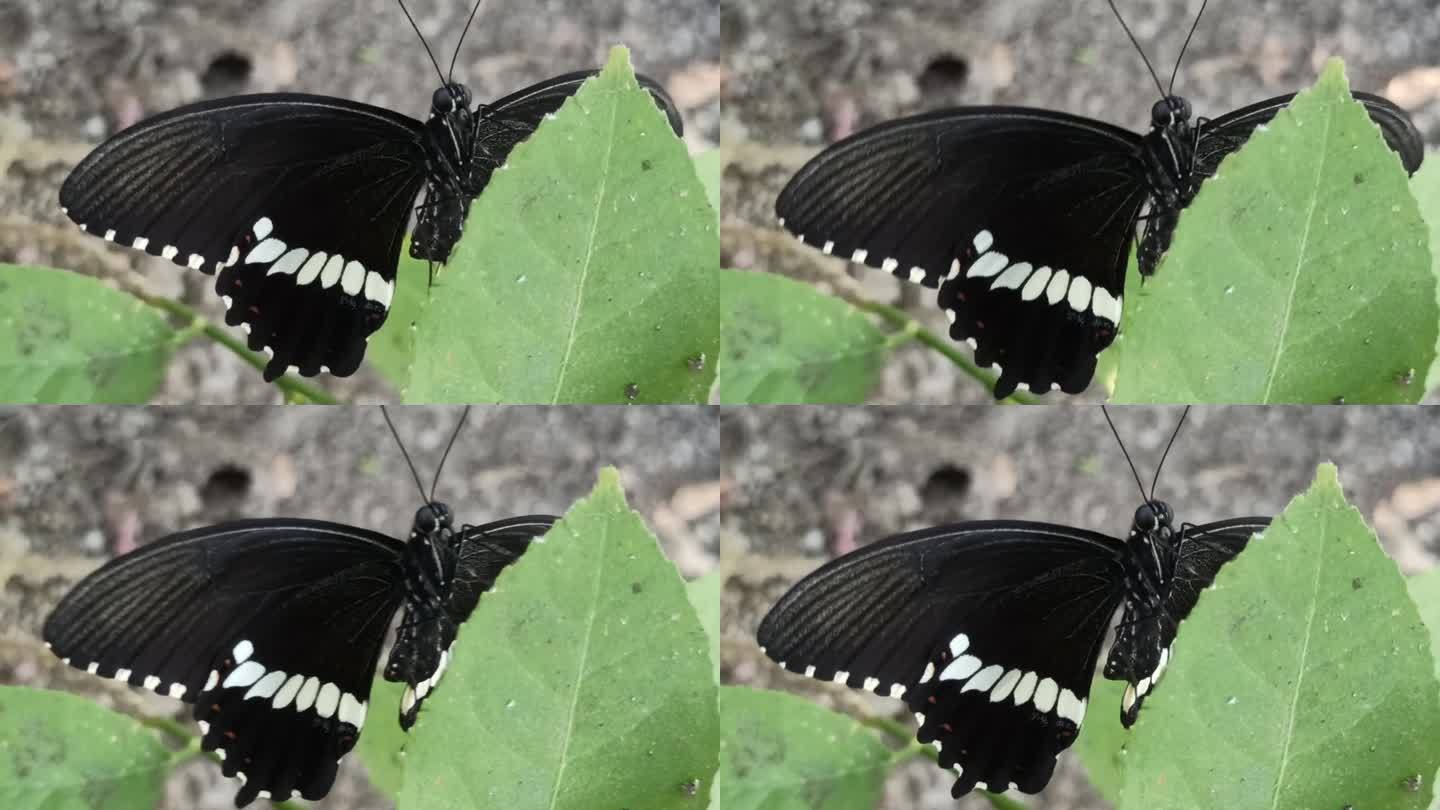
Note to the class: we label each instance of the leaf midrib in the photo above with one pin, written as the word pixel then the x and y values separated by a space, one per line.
pixel 603 540
pixel 589 255
pixel 1300 675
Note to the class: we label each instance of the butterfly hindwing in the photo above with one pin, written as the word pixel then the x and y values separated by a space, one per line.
pixel 299 202
pixel 989 631
pixel 424 643
pixel 271 628
pixel 1023 218
pixel 1145 645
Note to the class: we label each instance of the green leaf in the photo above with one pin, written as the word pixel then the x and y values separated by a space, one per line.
pixel 781 752
pixel 704 595
pixel 68 338
pixel 392 349
pixel 63 752
pixel 381 745
pixel 582 681
pixel 1298 274
pixel 587 271
pixel 1302 679
pixel 708 168
pixel 1425 185
pixel 1425 590
pixel 785 342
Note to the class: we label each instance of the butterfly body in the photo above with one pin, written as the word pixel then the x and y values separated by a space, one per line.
pixel 990 630
pixel 298 203
pixel 273 628
pixel 1024 218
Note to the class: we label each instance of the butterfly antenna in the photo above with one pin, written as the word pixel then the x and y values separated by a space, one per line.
pixel 1121 442
pixel 396 434
pixel 426 44
pixel 1170 444
pixel 446 454
pixel 1193 26
pixel 1136 43
pixel 463 32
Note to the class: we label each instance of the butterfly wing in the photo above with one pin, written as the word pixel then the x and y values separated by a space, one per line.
pixel 1221 136
pixel 271 628
pixel 989 631
pixel 499 127
pixel 1144 643
pixel 299 202
pixel 1023 218
pixel 422 648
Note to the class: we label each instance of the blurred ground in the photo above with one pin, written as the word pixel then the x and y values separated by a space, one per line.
pixel 75 71
pixel 801 75
pixel 803 485
pixel 81 484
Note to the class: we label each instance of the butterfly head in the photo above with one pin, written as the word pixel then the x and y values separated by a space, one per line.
pixel 432 518
pixel 449 98
pixel 1170 111
pixel 1153 516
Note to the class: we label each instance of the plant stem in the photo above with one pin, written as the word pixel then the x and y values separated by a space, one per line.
pixel 169 726
pixel 898 318
pixel 295 390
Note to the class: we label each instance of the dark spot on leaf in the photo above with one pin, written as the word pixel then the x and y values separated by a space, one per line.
pixel 227 483
pixel 690 787
pixel 636 587
pixel 632 391
pixel 1338 401
pixel 228 74
pixel 696 363
pixel 1357 583
pixel 1359 178
pixel 946 72
pixel 1412 783
pixel 946 483
pixel 646 165
pixel 1405 377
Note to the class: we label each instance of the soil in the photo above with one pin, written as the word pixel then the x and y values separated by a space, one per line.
pixel 75 71
pixel 804 485
pixel 800 75
pixel 81 484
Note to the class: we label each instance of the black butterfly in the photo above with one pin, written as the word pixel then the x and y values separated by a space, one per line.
pixel 989 631
pixel 300 202
pixel 1024 218
pixel 272 628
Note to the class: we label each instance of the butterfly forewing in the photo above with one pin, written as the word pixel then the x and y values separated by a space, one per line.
pixel 272 628
pixel 1144 642
pixel 474 557
pixel 1022 217
pixel 989 631
pixel 299 202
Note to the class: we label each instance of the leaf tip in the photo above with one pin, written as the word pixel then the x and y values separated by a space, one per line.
pixel 618 62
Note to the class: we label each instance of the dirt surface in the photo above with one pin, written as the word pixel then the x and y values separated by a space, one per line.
pixel 801 75
pixel 804 485
pixel 75 71
pixel 79 485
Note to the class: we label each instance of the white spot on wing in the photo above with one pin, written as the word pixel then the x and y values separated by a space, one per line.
pixel 353 279
pixel 1035 285
pixel 378 289
pixel 330 698
pixel 306 697
pixel 311 270
pixel 983 241
pixel 1025 688
pixel 331 273
pixel 265 252
pixel 288 691
pixel 984 679
pixel 1059 285
pixel 1045 695
pixel 961 668
pixel 266 686
pixel 1005 686
pixel 151 682
pixel 244 675
pixel 988 265
pixel 859 256
pixel 140 243
pixel 1013 277
pixel 263 227
pixel 290 262
pixel 243 651
pixel 1079 296
pixel 1106 305
pixel 168 253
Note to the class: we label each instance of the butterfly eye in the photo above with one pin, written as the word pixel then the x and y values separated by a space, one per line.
pixel 442 102
pixel 1145 519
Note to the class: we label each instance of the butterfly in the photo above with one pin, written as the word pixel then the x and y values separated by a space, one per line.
pixel 272 628
pixel 990 630
pixel 298 204
pixel 1024 218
